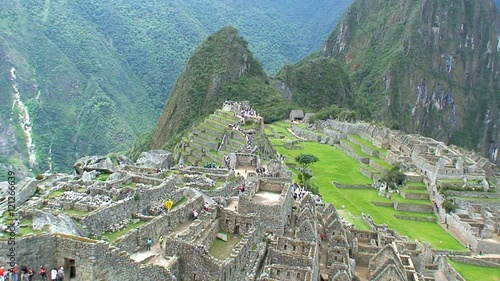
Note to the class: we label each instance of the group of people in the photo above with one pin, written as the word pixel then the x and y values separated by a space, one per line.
pixel 24 273
pixel 298 192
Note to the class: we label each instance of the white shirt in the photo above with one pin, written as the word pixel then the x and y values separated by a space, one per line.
pixel 53 274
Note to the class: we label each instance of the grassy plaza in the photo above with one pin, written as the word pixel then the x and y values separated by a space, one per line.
pixel 335 166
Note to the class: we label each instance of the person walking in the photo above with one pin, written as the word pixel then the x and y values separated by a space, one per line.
pixel 148 244
pixel 60 274
pixel 53 274
pixel 2 273
pixel 161 241
pixel 31 273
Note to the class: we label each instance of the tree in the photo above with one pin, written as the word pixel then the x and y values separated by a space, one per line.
pixel 394 177
pixel 449 205
pixel 304 160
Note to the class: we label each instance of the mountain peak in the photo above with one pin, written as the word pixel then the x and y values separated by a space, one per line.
pixel 223 57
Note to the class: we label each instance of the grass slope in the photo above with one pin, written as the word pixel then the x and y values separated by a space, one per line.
pixel 334 165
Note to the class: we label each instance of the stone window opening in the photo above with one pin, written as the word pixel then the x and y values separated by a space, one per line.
pixel 298 275
pixel 278 272
pixel 294 247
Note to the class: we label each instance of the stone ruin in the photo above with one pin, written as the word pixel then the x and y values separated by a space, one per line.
pixel 248 227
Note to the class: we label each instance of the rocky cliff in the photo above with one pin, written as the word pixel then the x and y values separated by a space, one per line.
pixel 428 67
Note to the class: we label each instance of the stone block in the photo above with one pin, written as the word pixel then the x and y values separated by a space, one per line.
pixel 222 236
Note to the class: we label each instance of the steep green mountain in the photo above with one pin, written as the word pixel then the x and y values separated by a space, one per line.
pixel 221 68
pixel 92 75
pixel 64 89
pixel 428 67
pixel 317 81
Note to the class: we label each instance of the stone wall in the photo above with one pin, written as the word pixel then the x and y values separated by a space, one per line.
pixel 30 250
pixel 347 149
pixel 196 263
pixel 474 261
pixel 273 217
pixel 352 186
pixel 417 208
pixel 98 221
pixel 320 138
pixel 93 260
pixel 231 221
pixel 272 185
pixel 161 225
pixel 410 195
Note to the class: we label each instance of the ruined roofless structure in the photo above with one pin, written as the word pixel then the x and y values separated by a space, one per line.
pixel 247 226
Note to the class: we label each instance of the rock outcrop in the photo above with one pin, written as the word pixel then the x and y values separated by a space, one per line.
pixel 94 163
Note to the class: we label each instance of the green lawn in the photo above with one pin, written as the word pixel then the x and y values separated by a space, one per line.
pixel 334 165
pixel 369 144
pixel 418 191
pixel 473 272
pixel 112 236
pixel 416 184
pixel 223 249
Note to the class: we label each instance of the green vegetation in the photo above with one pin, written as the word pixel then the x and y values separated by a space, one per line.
pixel 56 193
pixel 394 177
pixel 112 236
pixel 474 272
pixel 102 72
pixel 221 68
pixel 102 177
pixel 75 212
pixel 221 249
pixel 351 203
pixel 180 202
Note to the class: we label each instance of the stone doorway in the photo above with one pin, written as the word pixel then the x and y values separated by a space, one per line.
pixel 69 268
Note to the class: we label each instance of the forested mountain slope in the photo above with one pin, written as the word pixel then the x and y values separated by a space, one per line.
pixel 92 75
pixel 428 67
pixel 221 68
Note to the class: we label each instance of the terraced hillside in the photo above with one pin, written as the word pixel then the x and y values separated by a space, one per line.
pixel 212 139
pixel 340 179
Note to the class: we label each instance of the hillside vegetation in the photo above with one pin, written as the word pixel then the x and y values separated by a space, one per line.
pixel 95 74
pixel 423 67
pixel 221 68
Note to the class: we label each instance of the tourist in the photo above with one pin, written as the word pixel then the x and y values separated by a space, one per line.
pixel 2 273
pixel 53 274
pixel 195 214
pixel 8 275
pixel 30 274
pixel 205 206
pixel 161 239
pixel 60 274
pixel 149 242
pixel 24 273
pixel 14 272
pixel 43 273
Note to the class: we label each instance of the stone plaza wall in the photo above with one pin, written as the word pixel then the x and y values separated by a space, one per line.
pixel 161 225
pixel 98 221
pixel 30 250
pixel 93 260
